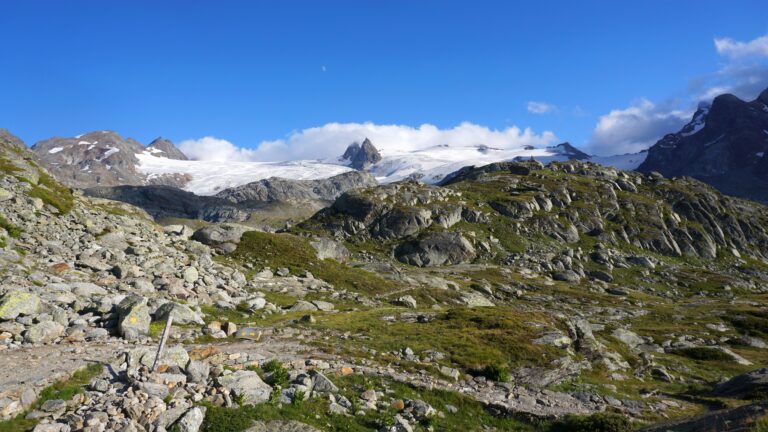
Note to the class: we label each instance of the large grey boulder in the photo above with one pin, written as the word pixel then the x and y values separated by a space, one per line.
pixel 44 332
pixel 181 314
pixel 330 249
pixel 192 420
pixel 17 303
pixel 435 250
pixel 248 385
pixel 224 236
pixel 133 317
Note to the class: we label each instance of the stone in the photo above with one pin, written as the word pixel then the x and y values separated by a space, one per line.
pixel 436 250
pixel 248 385
pixel 321 383
pixel 281 426
pixel 198 371
pixel 191 275
pixel 303 306
pixel 192 420
pixel 53 405
pixel 475 299
pixel 323 305
pixel 44 332
pixel 406 301
pixel 566 276
pixel 133 317
pixel 15 303
pixel 181 314
pixel 51 427
pixel 629 338
pixel 556 339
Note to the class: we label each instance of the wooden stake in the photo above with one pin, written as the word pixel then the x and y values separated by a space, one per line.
pixel 163 339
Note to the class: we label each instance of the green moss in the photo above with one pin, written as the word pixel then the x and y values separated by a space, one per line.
pixel 702 353
pixel 470 338
pixel 600 422
pixel 296 254
pixel 12 230
pixel 64 390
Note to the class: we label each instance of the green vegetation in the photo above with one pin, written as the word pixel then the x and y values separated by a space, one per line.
pixel 470 338
pixel 12 230
pixel 703 353
pixel 470 415
pixel 64 390
pixel 494 373
pixel 295 253
pixel 53 193
pixel 600 422
pixel 278 374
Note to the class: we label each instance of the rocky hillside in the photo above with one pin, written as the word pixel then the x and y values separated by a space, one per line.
pixel 723 145
pixel 104 158
pixel 509 207
pixel 514 296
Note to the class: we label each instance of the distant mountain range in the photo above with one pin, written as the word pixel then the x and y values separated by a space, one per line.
pixel 724 145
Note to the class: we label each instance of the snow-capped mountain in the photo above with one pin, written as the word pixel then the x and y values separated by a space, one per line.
pixel 105 158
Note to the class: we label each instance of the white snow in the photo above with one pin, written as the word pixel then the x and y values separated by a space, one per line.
pixel 90 147
pixel 760 154
pixel 698 122
pixel 429 165
pixel 55 150
pixel 625 162
pixel 83 142
pixel 110 151
pixel 209 177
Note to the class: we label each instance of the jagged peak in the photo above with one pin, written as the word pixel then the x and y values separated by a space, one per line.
pixel 361 156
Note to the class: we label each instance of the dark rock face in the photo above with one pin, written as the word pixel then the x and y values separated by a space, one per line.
pixel 362 156
pixel 161 147
pixel 725 145
pixel 101 158
pixel 436 250
pixel 751 385
pixel 280 189
pixel 168 201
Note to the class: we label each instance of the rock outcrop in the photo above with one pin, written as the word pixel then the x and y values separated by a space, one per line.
pixel 362 156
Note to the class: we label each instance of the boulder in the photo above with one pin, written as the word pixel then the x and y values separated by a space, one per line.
pixel 751 385
pixel 217 235
pixel 191 421
pixel 248 385
pixel 44 332
pixel 330 249
pixel 436 250
pixel 17 303
pixel 133 317
pixel 181 314
pixel 281 426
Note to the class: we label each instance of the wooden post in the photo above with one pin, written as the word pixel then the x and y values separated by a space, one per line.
pixel 163 339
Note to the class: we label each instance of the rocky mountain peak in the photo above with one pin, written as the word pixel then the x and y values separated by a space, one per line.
pixel 723 145
pixel 100 158
pixel 362 156
pixel 162 147
pixel 572 152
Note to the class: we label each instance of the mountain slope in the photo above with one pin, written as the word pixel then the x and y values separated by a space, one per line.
pixel 725 145
pixel 103 158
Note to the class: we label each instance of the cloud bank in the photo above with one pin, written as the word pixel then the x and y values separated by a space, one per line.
pixel 329 141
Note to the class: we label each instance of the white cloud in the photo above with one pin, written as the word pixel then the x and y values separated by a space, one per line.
pixel 728 47
pixel 214 149
pixel 541 107
pixel 635 128
pixel 329 141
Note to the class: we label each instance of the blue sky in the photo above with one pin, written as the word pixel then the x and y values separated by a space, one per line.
pixel 248 72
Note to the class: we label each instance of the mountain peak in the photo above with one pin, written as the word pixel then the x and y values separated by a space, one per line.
pixel 361 157
pixel 162 147
pixel 763 97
